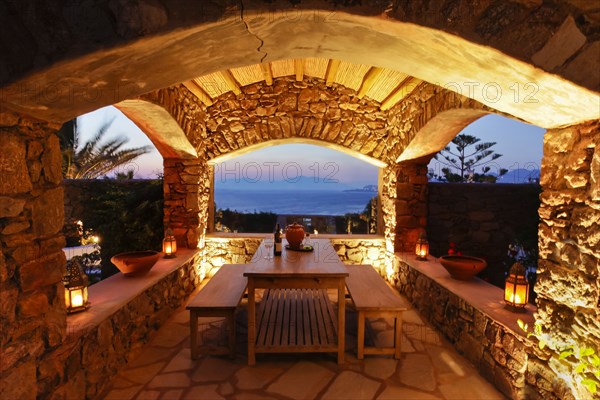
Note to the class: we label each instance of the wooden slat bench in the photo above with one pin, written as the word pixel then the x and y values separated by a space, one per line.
pixel 219 298
pixel 372 297
pixel 296 320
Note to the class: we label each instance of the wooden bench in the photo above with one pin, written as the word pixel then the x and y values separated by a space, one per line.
pixel 372 297
pixel 218 298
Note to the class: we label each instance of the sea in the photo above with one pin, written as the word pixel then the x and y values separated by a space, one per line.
pixel 307 202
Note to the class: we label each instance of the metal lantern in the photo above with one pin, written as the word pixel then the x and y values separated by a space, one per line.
pixel 422 248
pixel 169 244
pixel 516 291
pixel 76 293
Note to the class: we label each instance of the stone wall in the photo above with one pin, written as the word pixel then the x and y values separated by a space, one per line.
pixel 240 249
pixel 232 250
pixel 307 109
pixel 32 264
pixel 482 219
pixel 94 351
pixel 362 251
pixel 499 354
pixel 568 285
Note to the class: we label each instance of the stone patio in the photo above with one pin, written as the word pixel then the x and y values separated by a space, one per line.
pixel 429 368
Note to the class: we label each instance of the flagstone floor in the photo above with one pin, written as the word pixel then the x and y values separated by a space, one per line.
pixel 428 369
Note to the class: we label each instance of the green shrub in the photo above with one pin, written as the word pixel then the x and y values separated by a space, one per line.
pixel 126 218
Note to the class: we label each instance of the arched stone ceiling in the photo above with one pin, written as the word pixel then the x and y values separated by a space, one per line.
pixel 383 85
pixel 313 111
pixel 223 37
pixel 438 132
pixel 160 127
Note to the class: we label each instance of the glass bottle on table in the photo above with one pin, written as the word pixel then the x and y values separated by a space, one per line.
pixel 278 241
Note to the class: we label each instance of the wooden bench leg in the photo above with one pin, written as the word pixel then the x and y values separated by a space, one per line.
pixel 360 340
pixel 398 335
pixel 194 334
pixel 231 321
pixel 341 322
pixel 251 323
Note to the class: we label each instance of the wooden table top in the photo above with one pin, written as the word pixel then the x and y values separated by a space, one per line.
pixel 322 261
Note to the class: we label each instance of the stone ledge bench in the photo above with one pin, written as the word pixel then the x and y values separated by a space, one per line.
pixel 372 297
pixel 220 297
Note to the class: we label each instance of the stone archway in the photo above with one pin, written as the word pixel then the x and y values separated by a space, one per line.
pixel 332 115
pixel 166 37
pixel 92 56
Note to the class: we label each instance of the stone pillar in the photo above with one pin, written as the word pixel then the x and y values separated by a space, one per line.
pixel 32 264
pixel 187 196
pixel 568 283
pixel 387 185
pixel 411 204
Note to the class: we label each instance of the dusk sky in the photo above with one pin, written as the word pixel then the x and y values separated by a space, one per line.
pixel 519 143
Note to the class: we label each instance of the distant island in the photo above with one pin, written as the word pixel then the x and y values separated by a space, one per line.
pixel 368 188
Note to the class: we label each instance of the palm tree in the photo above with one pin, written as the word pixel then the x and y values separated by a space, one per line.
pixel 94 158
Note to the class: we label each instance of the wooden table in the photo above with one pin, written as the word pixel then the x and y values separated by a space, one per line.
pixel 289 317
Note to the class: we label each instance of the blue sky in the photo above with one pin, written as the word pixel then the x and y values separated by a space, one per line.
pixel 519 143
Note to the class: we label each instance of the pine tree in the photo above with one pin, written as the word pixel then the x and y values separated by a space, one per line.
pixel 464 159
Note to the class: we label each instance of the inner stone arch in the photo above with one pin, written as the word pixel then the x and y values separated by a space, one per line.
pixel 297 140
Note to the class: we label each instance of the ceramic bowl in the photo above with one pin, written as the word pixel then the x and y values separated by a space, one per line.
pixel 463 268
pixel 135 263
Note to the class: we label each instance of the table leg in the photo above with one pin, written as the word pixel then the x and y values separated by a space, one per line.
pixel 251 322
pixel 231 321
pixel 398 336
pixel 341 320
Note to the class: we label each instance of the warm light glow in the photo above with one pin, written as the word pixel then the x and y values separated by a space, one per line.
pixel 316 232
pixel 515 298
pixel 169 244
pixel 516 291
pixel 77 299
pixel 389 245
pixel 515 294
pixel 389 271
pixel 422 248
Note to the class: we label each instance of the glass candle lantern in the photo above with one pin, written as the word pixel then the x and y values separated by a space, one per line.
pixel 422 247
pixel 516 291
pixel 76 293
pixel 169 244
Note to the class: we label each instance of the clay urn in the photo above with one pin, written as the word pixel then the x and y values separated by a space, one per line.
pixel 135 263
pixel 295 235
pixel 463 268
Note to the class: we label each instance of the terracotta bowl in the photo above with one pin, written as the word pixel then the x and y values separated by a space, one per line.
pixel 294 235
pixel 135 263
pixel 463 268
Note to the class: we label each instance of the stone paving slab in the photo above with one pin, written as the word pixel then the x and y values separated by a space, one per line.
pixel 428 369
